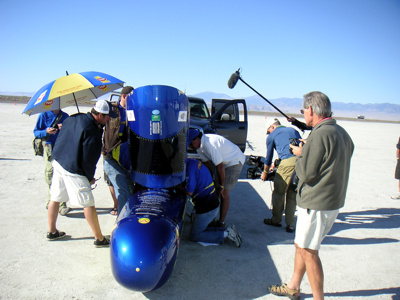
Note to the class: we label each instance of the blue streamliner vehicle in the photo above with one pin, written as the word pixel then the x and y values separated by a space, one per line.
pixel 145 240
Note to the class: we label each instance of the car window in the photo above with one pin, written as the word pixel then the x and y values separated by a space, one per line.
pixel 114 97
pixel 229 112
pixel 199 110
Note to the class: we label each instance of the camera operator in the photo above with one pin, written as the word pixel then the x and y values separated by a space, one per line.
pixel 279 138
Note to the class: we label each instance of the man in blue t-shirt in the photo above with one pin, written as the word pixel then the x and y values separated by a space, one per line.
pixel 200 187
pixel 279 139
pixel 47 127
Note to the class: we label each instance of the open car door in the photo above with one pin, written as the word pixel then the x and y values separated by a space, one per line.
pixel 114 97
pixel 229 117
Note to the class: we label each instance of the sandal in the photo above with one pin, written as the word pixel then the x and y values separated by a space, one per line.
pixel 283 290
pixel 114 212
pixel 269 222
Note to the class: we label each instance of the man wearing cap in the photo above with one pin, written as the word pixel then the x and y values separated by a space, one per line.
pixel 75 156
pixel 228 159
pixel 115 133
pixel 279 139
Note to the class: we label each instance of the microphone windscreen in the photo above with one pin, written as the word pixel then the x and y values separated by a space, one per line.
pixel 233 80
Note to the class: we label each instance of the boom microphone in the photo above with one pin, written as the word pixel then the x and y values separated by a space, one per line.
pixel 234 79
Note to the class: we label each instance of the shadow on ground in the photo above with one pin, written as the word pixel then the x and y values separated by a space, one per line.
pixel 77 213
pixel 381 218
pixel 224 271
pixel 395 292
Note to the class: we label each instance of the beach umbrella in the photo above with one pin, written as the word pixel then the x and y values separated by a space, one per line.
pixel 71 90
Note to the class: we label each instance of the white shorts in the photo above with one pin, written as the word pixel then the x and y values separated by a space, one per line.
pixel 312 226
pixel 68 186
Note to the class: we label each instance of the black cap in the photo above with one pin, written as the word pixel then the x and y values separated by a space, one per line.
pixel 126 90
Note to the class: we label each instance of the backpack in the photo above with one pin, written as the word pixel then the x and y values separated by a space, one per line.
pixel 38 146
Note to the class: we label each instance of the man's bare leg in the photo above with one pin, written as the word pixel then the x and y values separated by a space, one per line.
pixel 91 217
pixel 112 191
pixel 299 270
pixel 224 205
pixel 314 271
pixel 52 214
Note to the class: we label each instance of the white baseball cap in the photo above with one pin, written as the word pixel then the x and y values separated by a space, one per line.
pixel 104 107
pixel 270 121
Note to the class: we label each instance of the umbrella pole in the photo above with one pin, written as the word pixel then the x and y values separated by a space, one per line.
pixel 73 94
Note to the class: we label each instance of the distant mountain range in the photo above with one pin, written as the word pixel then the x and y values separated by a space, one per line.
pixel 378 111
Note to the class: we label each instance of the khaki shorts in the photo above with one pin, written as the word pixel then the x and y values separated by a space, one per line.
pixel 312 226
pixel 232 174
pixel 68 186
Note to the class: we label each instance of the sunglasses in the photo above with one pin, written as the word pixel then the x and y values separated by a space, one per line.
pixel 302 110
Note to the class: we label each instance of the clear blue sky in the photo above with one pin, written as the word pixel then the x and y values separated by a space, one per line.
pixel 348 49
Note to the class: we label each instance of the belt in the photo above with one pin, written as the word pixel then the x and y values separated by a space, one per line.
pixel 107 156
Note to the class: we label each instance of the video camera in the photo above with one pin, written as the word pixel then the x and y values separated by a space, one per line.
pixel 294 142
pixel 255 173
pixel 57 120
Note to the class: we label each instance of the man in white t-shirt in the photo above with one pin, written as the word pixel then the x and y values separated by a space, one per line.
pixel 227 158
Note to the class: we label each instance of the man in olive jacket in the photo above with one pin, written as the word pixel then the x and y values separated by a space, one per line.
pixel 323 167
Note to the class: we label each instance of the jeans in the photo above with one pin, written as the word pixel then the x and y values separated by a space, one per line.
pixel 120 179
pixel 201 233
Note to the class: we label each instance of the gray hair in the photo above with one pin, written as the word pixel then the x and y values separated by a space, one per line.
pixel 319 102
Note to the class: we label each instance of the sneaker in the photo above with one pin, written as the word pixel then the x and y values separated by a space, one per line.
pixel 104 243
pixel 234 235
pixel 64 210
pixel 396 197
pixel 55 236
